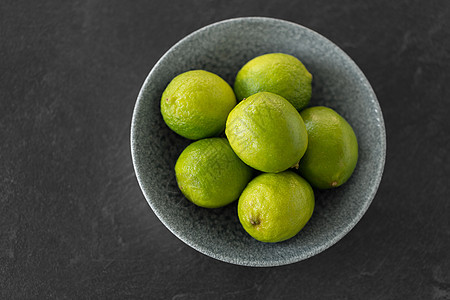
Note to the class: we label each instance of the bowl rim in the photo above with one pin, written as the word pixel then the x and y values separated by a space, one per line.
pixel 378 173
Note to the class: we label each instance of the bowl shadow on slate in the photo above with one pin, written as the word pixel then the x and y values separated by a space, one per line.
pixel 223 48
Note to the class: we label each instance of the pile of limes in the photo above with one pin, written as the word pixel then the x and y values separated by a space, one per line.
pixel 275 148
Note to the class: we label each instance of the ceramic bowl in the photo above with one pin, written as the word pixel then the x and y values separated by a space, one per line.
pixel 223 48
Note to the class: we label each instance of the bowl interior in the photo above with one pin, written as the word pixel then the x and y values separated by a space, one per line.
pixel 223 48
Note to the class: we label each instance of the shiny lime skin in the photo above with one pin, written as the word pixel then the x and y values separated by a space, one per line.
pixel 210 174
pixel 279 73
pixel 195 104
pixel 267 132
pixel 275 207
pixel 332 151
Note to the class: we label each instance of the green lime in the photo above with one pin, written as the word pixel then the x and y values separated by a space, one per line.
pixel 275 207
pixel 279 73
pixel 209 174
pixel 332 150
pixel 196 104
pixel 267 132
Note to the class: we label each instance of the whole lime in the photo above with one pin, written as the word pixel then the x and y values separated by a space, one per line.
pixel 279 73
pixel 332 151
pixel 196 104
pixel 209 174
pixel 275 207
pixel 267 132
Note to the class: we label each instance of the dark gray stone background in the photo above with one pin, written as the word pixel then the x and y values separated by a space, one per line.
pixel 73 221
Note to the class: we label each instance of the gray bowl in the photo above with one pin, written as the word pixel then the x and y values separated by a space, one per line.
pixel 223 48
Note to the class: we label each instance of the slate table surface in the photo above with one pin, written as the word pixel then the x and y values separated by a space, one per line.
pixel 73 221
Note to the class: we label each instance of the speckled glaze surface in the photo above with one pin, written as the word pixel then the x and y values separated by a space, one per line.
pixel 223 48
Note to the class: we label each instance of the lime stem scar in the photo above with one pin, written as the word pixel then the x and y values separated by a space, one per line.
pixel 254 222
